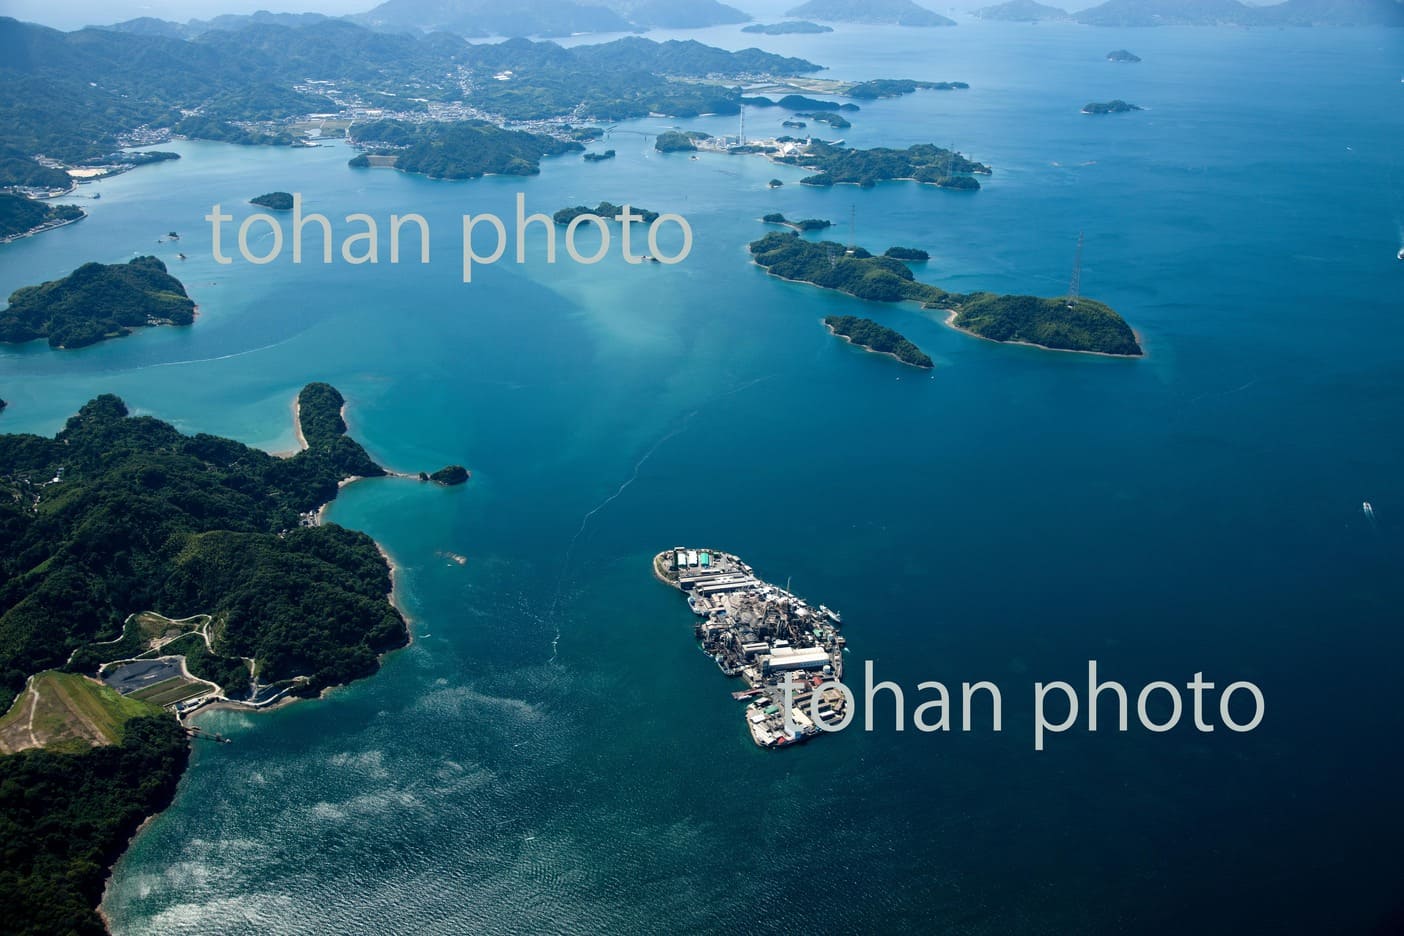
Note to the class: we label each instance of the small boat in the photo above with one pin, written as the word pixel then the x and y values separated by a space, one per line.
pixel 1401 253
pixel 1367 510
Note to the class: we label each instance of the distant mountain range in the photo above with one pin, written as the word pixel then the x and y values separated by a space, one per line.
pixel 1234 13
pixel 151 26
pixel 898 12
pixel 484 18
pixel 1022 11
pixel 477 18
pixel 548 17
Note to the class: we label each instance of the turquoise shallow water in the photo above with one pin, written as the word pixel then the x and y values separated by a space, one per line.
pixel 552 754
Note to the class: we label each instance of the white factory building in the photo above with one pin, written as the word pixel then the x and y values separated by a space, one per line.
pixel 795 658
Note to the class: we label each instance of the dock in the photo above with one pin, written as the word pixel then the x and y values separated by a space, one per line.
pixel 195 731
pixel 766 636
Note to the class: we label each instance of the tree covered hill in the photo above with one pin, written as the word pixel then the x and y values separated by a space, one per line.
pixel 1082 325
pixel 65 818
pixel 898 12
pixel 1060 324
pixel 865 333
pixel 1021 11
pixel 71 95
pixel 120 513
pixel 924 162
pixel 830 265
pixel 19 214
pixel 97 301
pixel 465 149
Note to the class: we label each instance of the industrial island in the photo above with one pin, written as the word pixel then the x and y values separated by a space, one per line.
pixel 767 636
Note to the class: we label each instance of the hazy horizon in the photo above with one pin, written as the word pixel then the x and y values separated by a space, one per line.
pixel 82 13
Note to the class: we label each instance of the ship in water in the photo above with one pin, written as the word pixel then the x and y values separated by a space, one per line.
pixel 1365 508
pixel 789 654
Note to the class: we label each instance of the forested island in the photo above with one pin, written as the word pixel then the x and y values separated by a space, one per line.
pixel 450 475
pixel 908 254
pixel 799 102
pixel 833 266
pixel 1109 107
pixel 95 302
pixel 21 216
pixel 894 12
pixel 1056 324
pixel 896 87
pixel 804 224
pixel 1123 55
pixel 924 162
pixel 679 141
pixel 465 149
pixel 606 210
pixel 867 334
pixel 837 121
pixel 599 157
pixel 863 90
pixel 119 514
pixel 1021 11
pixel 276 201
pixel 789 27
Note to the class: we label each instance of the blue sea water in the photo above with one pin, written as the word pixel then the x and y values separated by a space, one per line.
pixel 552 754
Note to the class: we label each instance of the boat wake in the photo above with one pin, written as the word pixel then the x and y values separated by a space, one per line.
pixel 585 522
pixel 1221 393
pixel 678 429
pixel 221 357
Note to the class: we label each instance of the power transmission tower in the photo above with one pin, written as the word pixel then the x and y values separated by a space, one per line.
pixel 1075 287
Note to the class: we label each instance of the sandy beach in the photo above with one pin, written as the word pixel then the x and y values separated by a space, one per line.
pixel 297 422
pixel 296 410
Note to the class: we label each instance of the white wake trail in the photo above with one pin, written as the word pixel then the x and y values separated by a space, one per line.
pixel 680 428
pixel 585 522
